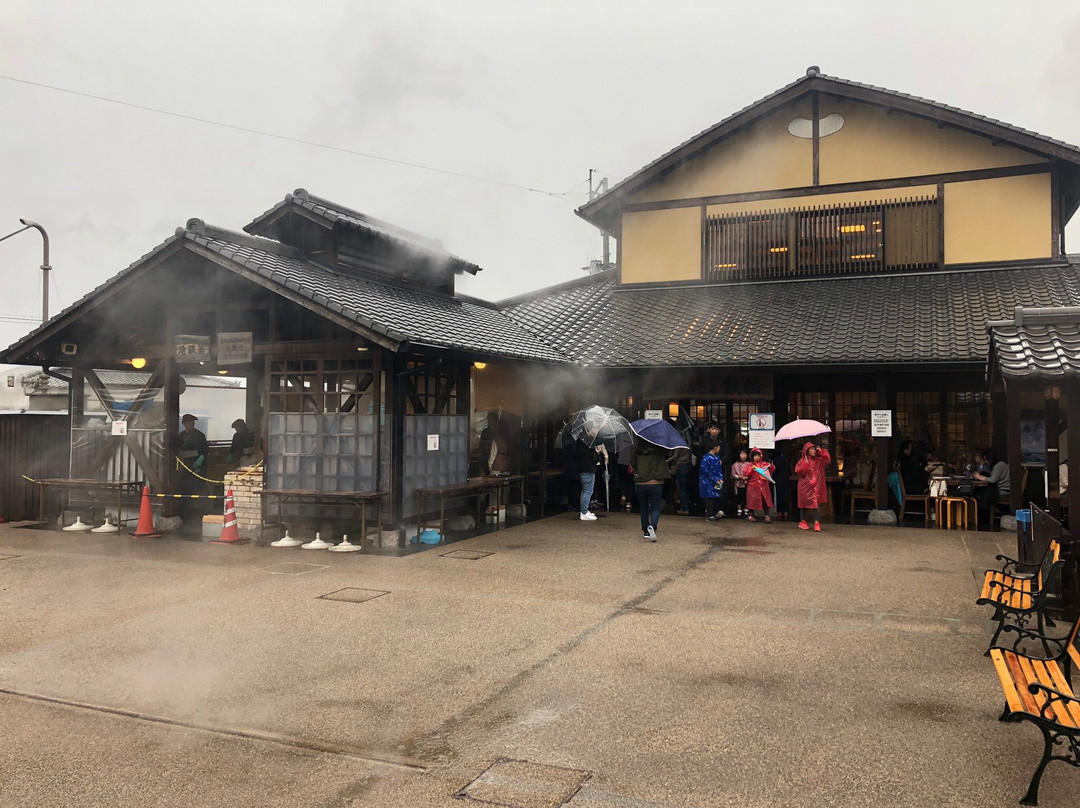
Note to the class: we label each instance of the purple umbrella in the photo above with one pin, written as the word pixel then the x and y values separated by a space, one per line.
pixel 659 433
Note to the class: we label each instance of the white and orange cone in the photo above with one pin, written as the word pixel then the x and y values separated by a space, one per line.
pixel 230 534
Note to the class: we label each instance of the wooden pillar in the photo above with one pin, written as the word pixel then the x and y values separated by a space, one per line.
pixel 1012 446
pixel 397 401
pixel 1053 495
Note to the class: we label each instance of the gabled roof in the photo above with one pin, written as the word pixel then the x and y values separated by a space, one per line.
pixel 598 210
pixel 399 314
pixel 1038 344
pixel 331 214
pixel 823 322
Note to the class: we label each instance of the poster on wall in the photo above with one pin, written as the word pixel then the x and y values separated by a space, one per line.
pixel 1033 442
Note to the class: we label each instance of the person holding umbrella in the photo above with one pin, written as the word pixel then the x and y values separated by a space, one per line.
pixel 812 490
pixel 759 482
pixel 650 471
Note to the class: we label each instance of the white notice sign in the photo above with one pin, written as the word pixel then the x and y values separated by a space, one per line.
pixel 433 443
pixel 881 423
pixel 119 427
pixel 654 415
pixel 234 348
pixel 762 430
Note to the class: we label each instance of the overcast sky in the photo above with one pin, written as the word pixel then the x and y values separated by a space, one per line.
pixel 522 94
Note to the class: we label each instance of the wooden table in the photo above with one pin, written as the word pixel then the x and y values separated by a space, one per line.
pixel 119 486
pixel 473 487
pixel 361 498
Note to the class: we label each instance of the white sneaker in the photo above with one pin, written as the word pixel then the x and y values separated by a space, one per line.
pixel 588 517
pixel 652 533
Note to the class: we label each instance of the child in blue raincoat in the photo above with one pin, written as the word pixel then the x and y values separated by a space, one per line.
pixel 711 483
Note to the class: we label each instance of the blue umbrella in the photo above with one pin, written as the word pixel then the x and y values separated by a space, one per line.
pixel 659 433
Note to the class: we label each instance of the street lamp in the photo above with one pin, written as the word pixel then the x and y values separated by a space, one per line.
pixel 44 263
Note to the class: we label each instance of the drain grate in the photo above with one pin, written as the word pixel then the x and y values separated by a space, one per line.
pixel 521 784
pixel 294 568
pixel 351 594
pixel 467 555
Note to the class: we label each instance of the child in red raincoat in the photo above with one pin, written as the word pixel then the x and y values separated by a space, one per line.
pixel 812 489
pixel 758 487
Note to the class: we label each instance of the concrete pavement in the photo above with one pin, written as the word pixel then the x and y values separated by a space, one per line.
pixel 728 664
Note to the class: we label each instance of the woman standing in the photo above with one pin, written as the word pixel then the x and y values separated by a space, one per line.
pixel 812 490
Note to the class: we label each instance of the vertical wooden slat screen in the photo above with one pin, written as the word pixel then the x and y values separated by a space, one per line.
pixel 858 237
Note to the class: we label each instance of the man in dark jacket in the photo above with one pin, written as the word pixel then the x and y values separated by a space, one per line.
pixel 192 450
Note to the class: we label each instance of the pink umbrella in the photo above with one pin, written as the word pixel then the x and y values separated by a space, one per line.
pixel 801 428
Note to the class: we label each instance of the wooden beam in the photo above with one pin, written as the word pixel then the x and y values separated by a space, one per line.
pixel 844 187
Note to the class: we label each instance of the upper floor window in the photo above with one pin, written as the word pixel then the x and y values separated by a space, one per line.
pixel 849 239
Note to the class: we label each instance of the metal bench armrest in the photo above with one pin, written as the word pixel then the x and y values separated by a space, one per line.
pixel 1054 696
pixel 1060 644
pixel 1021 567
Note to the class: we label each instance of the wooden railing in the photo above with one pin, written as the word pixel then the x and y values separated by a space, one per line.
pixel 879 236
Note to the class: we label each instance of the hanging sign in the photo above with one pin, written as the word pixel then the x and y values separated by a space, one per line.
pixel 762 432
pixel 881 423
pixel 192 347
pixel 234 348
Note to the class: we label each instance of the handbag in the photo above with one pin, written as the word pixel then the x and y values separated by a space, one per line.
pixel 965 489
pixel 939 488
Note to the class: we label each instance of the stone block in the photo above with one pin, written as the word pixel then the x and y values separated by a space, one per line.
pixel 881 517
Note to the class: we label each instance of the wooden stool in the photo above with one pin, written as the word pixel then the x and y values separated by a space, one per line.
pixel 944 508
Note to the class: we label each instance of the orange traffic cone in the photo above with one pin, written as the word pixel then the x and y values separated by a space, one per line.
pixel 229 532
pixel 145 528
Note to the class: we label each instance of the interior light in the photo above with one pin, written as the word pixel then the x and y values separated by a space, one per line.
pixel 361 348
pixel 673 409
pixel 860 257
pixel 479 365
pixel 852 228
pixel 778 249
pixel 222 372
pixel 726 266
pixel 138 362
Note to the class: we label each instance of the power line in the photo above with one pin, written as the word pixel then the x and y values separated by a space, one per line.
pixel 287 138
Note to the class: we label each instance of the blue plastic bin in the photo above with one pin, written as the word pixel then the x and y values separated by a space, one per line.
pixel 1023 527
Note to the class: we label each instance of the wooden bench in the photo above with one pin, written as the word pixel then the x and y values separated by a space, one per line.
pixel 1040 690
pixel 1019 591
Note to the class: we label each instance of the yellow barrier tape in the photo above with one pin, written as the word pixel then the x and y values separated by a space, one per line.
pixel 194 473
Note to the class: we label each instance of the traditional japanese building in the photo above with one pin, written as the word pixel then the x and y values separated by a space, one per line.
pixel 828 250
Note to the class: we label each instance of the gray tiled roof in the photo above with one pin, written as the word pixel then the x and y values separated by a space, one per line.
pixel 1038 344
pixel 398 312
pixel 931 317
pixel 332 213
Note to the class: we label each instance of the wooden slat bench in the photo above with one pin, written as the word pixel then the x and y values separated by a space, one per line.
pixel 1040 691
pixel 1019 591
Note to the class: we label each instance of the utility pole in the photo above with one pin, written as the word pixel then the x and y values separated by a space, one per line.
pixel 601 188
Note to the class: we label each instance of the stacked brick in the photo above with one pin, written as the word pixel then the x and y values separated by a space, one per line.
pixel 247 486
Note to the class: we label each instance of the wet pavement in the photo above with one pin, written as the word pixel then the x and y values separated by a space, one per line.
pixel 555 663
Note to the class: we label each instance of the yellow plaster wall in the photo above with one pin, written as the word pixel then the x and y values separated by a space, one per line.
pixel 875 145
pixel 661 245
pixel 1004 219
pixel 764 158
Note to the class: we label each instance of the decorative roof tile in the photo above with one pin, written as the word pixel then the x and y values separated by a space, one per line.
pixel 1037 344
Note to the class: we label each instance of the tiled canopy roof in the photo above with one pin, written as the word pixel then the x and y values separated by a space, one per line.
pixel 399 313
pixel 1037 344
pixel 927 318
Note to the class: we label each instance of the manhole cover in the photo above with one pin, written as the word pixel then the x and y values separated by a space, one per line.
pixel 294 568
pixel 353 595
pixel 468 555
pixel 520 784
